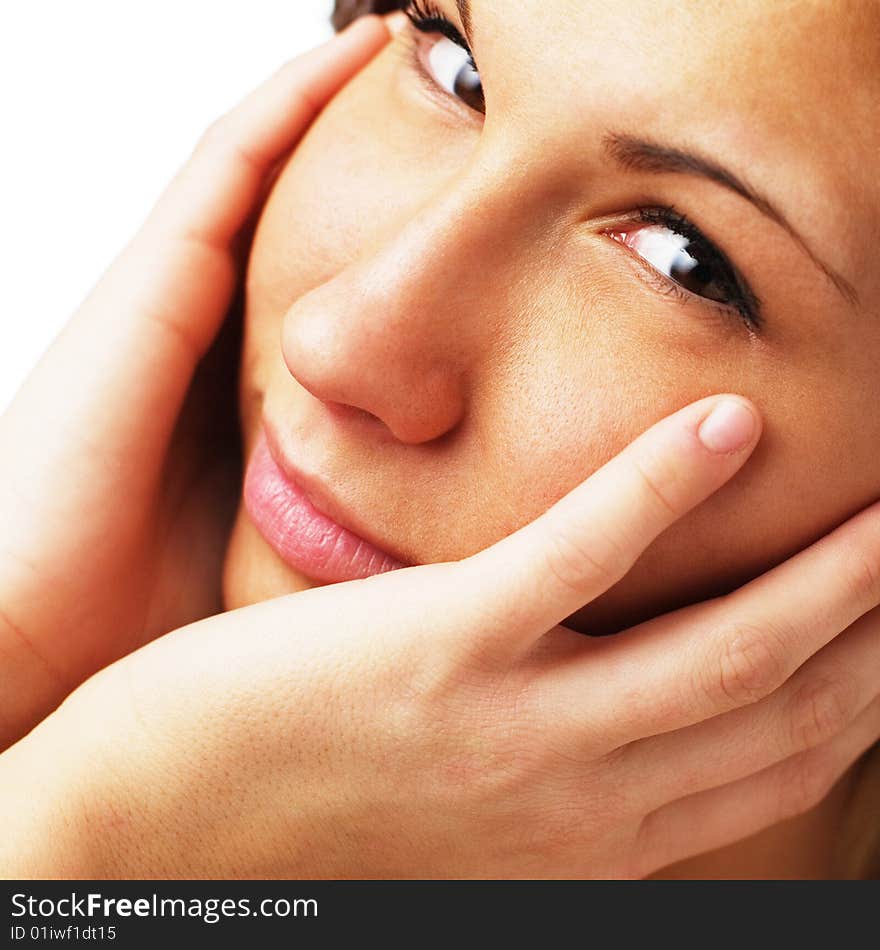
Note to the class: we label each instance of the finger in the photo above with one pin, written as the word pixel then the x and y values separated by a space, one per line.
pixel 713 819
pixel 106 396
pixel 214 193
pixel 817 704
pixel 129 352
pixel 587 541
pixel 703 661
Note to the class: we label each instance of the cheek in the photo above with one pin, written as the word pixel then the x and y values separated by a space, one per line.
pixel 576 384
pixel 573 401
pixel 814 467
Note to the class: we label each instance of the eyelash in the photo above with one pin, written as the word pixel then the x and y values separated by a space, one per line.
pixel 426 17
pixel 742 298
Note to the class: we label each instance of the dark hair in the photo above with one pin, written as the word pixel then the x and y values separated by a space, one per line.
pixel 347 10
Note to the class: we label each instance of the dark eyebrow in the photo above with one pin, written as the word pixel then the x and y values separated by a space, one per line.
pixel 643 155
pixel 464 11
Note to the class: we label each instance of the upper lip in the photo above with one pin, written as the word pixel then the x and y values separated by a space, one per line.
pixel 320 497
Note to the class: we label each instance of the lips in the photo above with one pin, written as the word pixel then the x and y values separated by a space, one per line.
pixel 307 539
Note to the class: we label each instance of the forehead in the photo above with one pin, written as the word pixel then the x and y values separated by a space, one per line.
pixel 812 27
pixel 784 90
pixel 761 54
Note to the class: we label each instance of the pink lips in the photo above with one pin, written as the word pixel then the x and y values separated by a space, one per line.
pixel 307 539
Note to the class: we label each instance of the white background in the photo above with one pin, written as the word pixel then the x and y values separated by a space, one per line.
pixel 101 101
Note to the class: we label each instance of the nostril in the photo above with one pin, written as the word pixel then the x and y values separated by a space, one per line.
pixel 345 412
pixel 376 355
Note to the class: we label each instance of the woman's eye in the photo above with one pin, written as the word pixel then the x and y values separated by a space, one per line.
pixel 447 61
pixel 452 68
pixel 695 265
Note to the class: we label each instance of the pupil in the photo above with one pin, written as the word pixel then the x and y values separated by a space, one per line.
pixel 469 87
pixel 696 277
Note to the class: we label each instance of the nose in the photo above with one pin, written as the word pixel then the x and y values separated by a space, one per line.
pixel 400 333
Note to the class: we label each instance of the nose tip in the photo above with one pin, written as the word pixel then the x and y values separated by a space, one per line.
pixel 366 351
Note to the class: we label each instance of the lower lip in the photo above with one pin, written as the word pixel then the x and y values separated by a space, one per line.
pixel 306 539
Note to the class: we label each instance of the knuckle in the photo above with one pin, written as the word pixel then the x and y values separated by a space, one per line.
pixel 212 135
pixel 864 574
pixel 655 476
pixel 804 784
pixel 652 846
pixel 748 665
pixel 220 139
pixel 821 711
pixel 578 563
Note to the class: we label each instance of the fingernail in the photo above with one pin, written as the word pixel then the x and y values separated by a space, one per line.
pixel 729 427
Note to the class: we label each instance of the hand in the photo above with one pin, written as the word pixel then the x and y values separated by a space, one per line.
pixel 435 722
pixel 118 483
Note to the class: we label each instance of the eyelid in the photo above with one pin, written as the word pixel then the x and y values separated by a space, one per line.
pixel 413 40
pixel 669 287
pixel 750 304
pixel 426 18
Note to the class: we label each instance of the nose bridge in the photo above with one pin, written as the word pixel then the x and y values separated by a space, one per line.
pixel 459 240
pixel 398 332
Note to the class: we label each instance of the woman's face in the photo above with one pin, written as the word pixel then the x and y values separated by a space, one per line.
pixel 456 314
